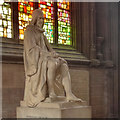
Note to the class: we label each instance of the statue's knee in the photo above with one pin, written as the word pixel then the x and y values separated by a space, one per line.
pixel 65 66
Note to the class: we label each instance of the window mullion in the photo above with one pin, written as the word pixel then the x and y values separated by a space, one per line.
pixel 35 6
pixel 15 21
pixel 55 24
pixel 71 35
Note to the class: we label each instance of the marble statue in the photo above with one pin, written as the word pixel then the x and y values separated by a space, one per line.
pixel 43 66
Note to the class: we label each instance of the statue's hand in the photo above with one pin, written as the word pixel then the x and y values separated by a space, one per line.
pixel 44 54
pixel 49 54
pixel 54 54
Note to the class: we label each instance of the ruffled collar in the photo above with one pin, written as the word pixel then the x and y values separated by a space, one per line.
pixel 37 28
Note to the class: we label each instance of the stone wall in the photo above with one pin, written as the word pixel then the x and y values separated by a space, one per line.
pixel 101 92
pixel 12 88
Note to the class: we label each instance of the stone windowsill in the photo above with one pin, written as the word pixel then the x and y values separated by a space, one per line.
pixel 13 53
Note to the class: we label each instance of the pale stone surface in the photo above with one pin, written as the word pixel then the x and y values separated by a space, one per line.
pixel 58 102
pixel 75 112
pixel 56 110
pixel 47 74
pixel 80 83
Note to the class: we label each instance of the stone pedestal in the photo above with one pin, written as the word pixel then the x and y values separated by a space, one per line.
pixel 55 110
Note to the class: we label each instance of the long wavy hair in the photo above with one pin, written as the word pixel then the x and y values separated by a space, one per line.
pixel 35 14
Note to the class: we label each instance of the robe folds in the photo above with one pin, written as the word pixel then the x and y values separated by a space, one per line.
pixel 37 52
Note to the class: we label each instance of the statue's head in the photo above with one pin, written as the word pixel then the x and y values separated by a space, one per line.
pixel 37 18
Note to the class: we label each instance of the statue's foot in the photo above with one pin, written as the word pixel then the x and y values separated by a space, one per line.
pixel 33 104
pixel 73 98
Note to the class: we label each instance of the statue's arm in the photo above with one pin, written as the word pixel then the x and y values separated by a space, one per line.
pixel 33 58
pixel 51 50
pixel 32 52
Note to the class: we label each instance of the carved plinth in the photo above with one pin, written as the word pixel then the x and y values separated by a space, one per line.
pixel 55 110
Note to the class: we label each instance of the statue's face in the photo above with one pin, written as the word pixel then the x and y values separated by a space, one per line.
pixel 40 21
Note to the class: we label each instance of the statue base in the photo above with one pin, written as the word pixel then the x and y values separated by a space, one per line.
pixel 60 109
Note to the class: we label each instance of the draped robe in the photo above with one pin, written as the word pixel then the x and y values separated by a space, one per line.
pixel 35 63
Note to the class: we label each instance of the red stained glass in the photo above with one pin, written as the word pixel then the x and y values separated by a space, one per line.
pixel 31 11
pixel 51 5
pixel 31 4
pixel 47 8
pixel 42 2
pixel 25 2
pixel 25 11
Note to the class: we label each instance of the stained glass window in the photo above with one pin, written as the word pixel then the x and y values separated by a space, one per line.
pixel 25 15
pixel 5 20
pixel 63 23
pixel 47 8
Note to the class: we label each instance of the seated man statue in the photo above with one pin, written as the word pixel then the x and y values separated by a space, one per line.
pixel 43 66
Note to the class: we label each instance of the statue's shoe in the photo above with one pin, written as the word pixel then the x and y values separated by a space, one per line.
pixel 73 98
